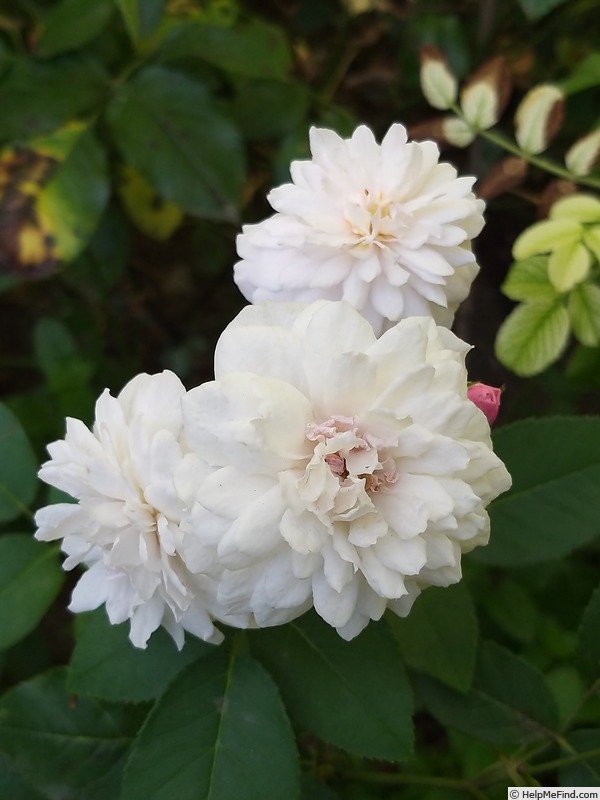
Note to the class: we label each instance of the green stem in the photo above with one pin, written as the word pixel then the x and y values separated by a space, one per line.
pixel 564 761
pixel 403 778
pixel 538 161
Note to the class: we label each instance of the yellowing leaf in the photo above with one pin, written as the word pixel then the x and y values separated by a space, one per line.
pixel 438 84
pixel 154 216
pixel 568 266
pixel 532 337
pixel 538 117
pixel 52 192
pixel 582 156
pixel 457 132
pixel 580 207
pixel 584 311
pixel 543 237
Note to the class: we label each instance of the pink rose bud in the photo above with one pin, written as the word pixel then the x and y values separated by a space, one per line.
pixel 486 398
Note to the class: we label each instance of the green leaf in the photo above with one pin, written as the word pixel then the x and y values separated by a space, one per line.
pixel 536 9
pixel 509 702
pixel 18 467
pixel 67 748
pixel 586 75
pixel 30 579
pixel 533 336
pixel 67 372
pixel 513 610
pixel 439 636
pixel 270 109
pixel 12 785
pixel 584 313
pixel 528 281
pixel 219 732
pixel 165 125
pixel 35 98
pixel 588 646
pixel 255 49
pixel 70 24
pixel 553 506
pixel 313 790
pixel 586 771
pixel 333 688
pixel 105 664
pixel 140 16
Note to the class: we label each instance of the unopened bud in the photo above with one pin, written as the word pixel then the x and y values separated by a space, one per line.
pixel 486 398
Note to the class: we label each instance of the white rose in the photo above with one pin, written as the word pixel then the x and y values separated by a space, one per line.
pixel 385 227
pixel 342 471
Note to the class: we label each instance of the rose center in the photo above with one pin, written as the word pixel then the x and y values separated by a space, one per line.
pixel 352 455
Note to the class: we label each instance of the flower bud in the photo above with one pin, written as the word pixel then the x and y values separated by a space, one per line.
pixel 486 398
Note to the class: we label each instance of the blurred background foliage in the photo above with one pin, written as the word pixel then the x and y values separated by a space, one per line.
pixel 136 136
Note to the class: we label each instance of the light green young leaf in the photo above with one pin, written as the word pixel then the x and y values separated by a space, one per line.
pixel 586 75
pixel 439 636
pixel 105 664
pixel 538 117
pixel 330 686
pixel 528 281
pixel 509 702
pixel 74 747
pixel 219 732
pixel 438 84
pixel 457 132
pixel 569 265
pixel 533 336
pixel 584 313
pixel 18 467
pixel 30 579
pixel 553 506
pixel 580 207
pixel 591 239
pixel 582 156
pixel 543 237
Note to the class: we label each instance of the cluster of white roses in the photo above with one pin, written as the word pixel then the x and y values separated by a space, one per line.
pixel 336 461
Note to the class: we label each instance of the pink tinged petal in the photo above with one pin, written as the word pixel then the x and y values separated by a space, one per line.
pixel 145 620
pixel 254 533
pixel 334 607
pixel 365 531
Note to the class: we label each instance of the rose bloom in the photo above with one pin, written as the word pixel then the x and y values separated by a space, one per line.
pixel 343 471
pixel 386 227
pixel 133 484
